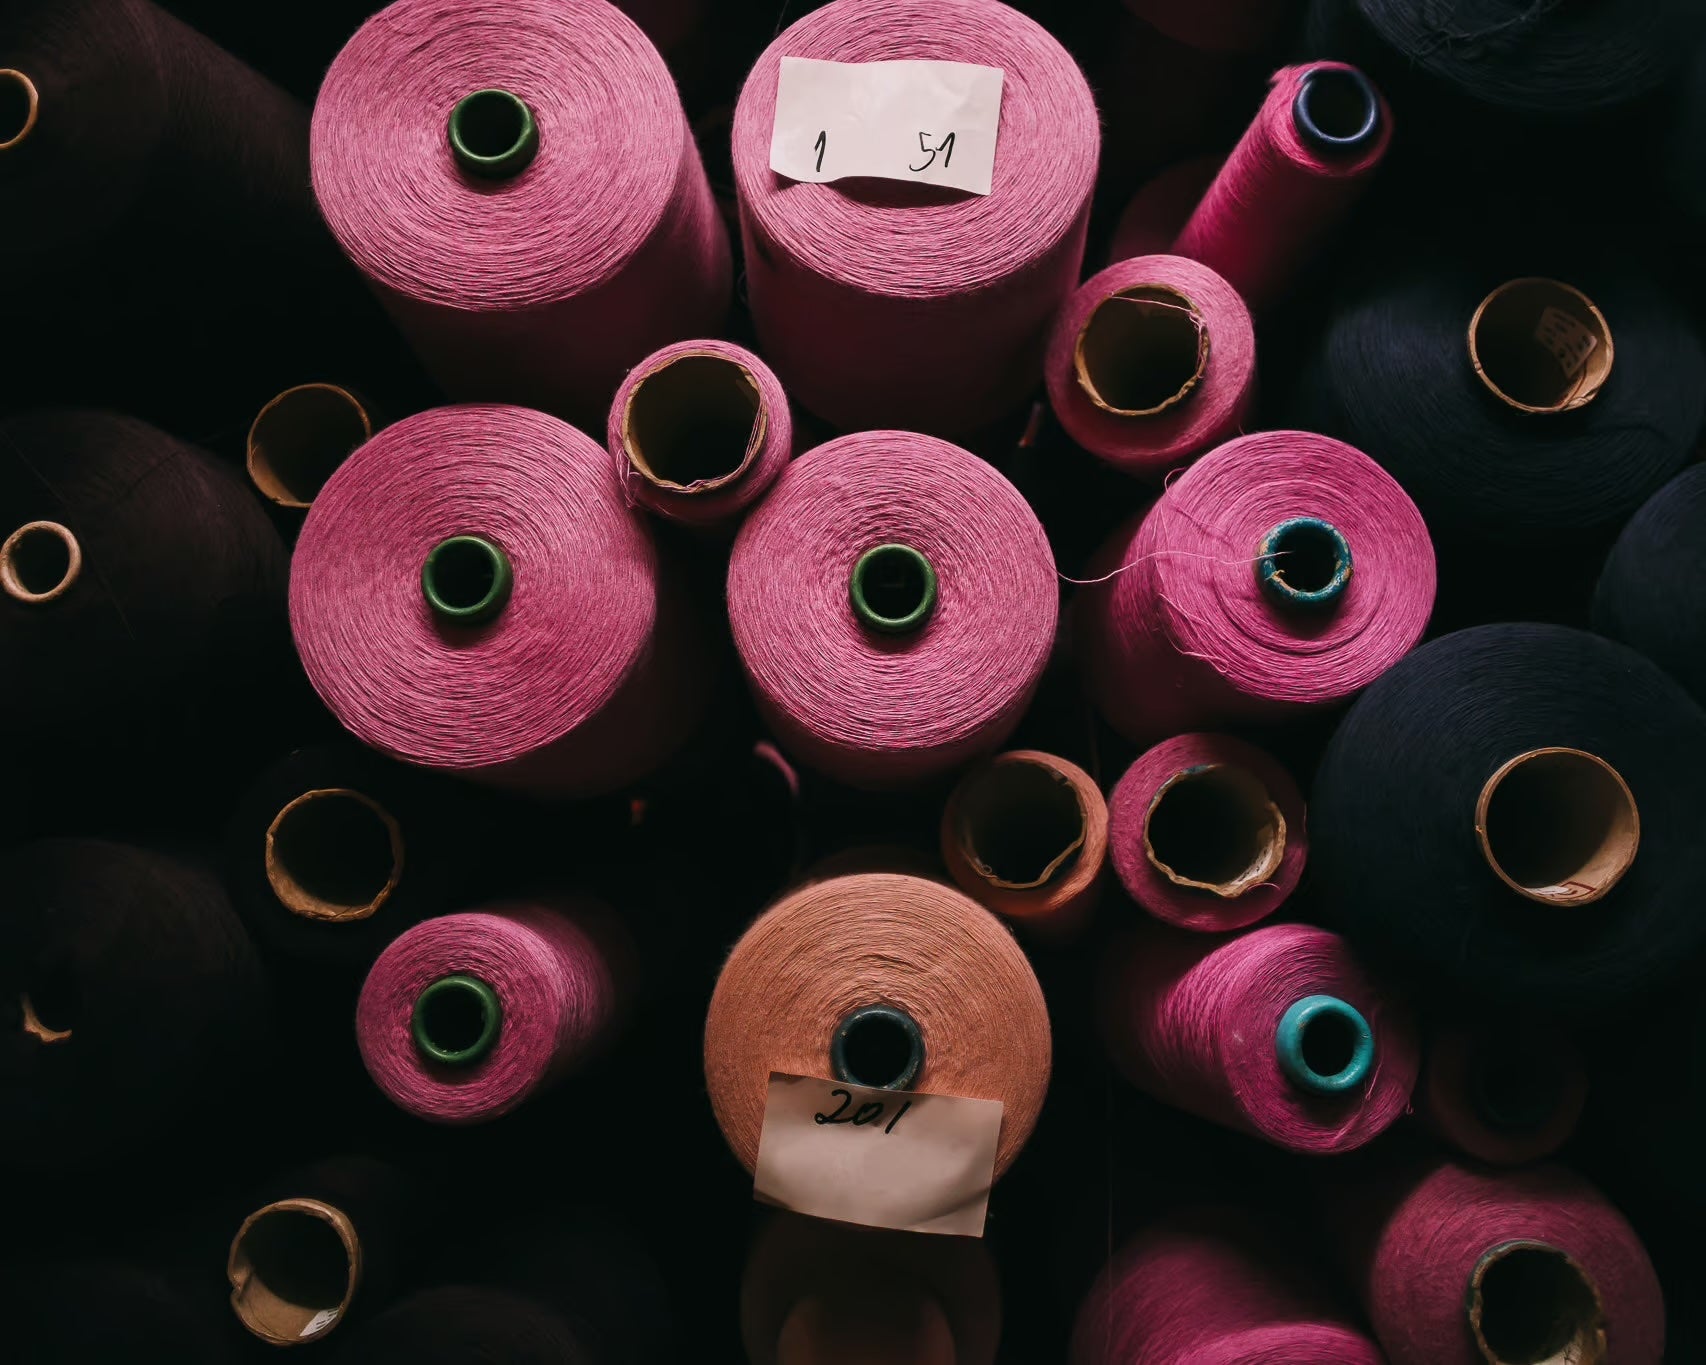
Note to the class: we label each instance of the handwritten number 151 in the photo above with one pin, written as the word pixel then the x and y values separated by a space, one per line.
pixel 945 146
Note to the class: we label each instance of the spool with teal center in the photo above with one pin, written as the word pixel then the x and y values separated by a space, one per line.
pixel 1324 1045
pixel 1304 564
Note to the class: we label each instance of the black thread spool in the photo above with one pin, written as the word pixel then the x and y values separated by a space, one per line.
pixel 459 1324
pixel 1649 1106
pixel 1652 591
pixel 132 998
pixel 1513 812
pixel 90 1312
pixel 1688 134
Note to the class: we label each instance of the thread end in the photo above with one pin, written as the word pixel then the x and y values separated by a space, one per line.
pixel 1324 1045
pixel 457 1020
pixel 493 134
pixel 893 589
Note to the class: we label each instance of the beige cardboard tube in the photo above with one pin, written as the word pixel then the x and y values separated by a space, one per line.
pixel 694 424
pixel 20 108
pixel 1141 351
pixel 298 440
pixel 34 1026
pixel 334 855
pixel 1214 828
pixel 1529 1303
pixel 294 1268
pixel 1540 345
pixel 39 562
pixel 1558 826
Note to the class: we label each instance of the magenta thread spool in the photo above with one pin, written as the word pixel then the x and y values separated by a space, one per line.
pixel 891 305
pixel 1501 1092
pixel 1153 216
pixel 699 432
pixel 467 1016
pixel 894 602
pixel 471 593
pixel 1207 832
pixel 1151 362
pixel 1304 161
pixel 1214 1285
pixel 1280 572
pixel 1277 1032
pixel 518 182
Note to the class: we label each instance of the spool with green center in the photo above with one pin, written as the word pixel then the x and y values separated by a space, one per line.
pixel 493 134
pixel 467 580
pixel 457 1020
pixel 893 589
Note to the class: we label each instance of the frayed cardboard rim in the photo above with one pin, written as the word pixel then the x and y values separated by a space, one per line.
pixel 18 85
pixel 1609 813
pixel 304 410
pixel 1577 1316
pixel 1103 341
pixel 33 1025
pixel 634 450
pixel 285 883
pixel 1263 820
pixel 1005 782
pixel 1565 338
pixel 260 1309
pixel 14 575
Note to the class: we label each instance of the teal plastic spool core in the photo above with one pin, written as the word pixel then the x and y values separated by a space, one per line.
pixel 893 589
pixel 1304 564
pixel 879 1046
pixel 467 580
pixel 457 1020
pixel 1324 1045
pixel 493 134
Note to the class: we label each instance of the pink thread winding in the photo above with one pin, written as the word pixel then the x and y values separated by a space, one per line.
pixel 1207 832
pixel 699 431
pixel 1151 219
pixel 1501 1093
pixel 1151 362
pixel 1281 193
pixel 588 677
pixel 876 707
pixel 546 287
pixel 1198 1023
pixel 1215 25
pixel 560 972
pixel 1183 633
pixel 1212 1287
pixel 885 304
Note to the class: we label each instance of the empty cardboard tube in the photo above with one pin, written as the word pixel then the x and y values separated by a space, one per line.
pixel 1214 828
pixel 1540 345
pixel 694 424
pixel 33 1025
pixel 20 107
pixel 39 562
pixel 1528 1303
pixel 867 1319
pixel 298 440
pixel 294 1268
pixel 1558 826
pixel 334 855
pixel 1141 351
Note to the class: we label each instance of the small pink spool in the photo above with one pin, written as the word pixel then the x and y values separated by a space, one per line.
pixel 1280 572
pixel 517 181
pixel 1502 1093
pixel 1293 175
pixel 1151 219
pixel 1151 362
pixel 885 304
pixel 699 431
pixel 467 1016
pixel 894 601
pixel 1215 25
pixel 1207 832
pixel 1278 1033
pixel 1213 1287
pixel 471 593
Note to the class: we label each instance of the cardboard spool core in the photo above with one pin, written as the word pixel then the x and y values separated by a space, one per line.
pixel 1214 828
pixel 298 440
pixel 1531 1304
pixel 333 855
pixel 39 562
pixel 1558 826
pixel 1021 823
pixel 20 107
pixel 1141 351
pixel 694 424
pixel 865 1318
pixel 294 1268
pixel 34 1025
pixel 1540 345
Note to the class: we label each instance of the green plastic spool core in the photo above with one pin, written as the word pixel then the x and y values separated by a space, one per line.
pixel 493 134
pixel 878 1046
pixel 1304 563
pixel 457 1020
pixel 893 589
pixel 1324 1045
pixel 467 580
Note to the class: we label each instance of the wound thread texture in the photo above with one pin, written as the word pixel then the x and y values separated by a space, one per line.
pixel 1501 1091
pixel 1151 219
pixel 880 709
pixel 891 305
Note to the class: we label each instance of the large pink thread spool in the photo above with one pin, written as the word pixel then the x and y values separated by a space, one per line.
pixel 1281 571
pixel 1303 162
pixel 886 304
pixel 1151 362
pixel 1207 833
pixel 518 182
pixel 1277 1032
pixel 465 1017
pixel 471 593
pixel 894 602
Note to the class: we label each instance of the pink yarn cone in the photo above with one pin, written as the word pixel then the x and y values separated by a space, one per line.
pixel 1281 571
pixel 1151 362
pixel 1212 1287
pixel 541 283
pixel 938 664
pixel 884 304
pixel 1151 220
pixel 1207 832
pixel 1235 1031
pixel 554 974
pixel 587 676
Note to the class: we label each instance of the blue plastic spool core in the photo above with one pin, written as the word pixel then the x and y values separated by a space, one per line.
pixel 456 1020
pixel 879 1046
pixel 1304 564
pixel 1336 111
pixel 1324 1045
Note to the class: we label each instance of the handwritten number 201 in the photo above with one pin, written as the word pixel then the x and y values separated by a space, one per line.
pixel 945 146
pixel 866 1113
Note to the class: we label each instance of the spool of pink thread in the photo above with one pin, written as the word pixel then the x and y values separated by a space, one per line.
pixel 886 304
pixel 1293 175
pixel 894 601
pixel 1212 1287
pixel 1277 1032
pixel 1465 1266
pixel 700 430
pixel 1153 216
pixel 471 593
pixel 1151 362
pixel 466 1016
pixel 1206 832
pixel 1281 571
pixel 1215 25
pixel 518 182
pixel 1504 1093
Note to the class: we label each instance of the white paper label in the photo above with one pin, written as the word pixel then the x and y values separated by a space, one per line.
pixel 324 1318
pixel 928 121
